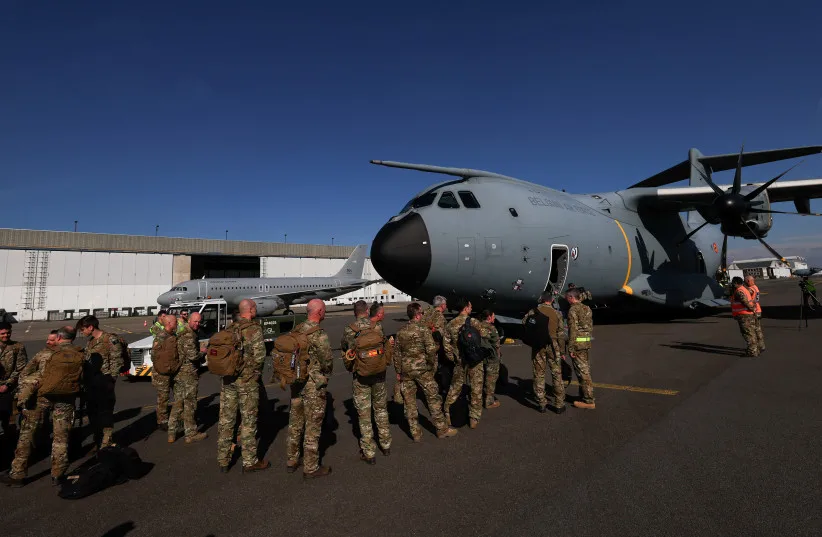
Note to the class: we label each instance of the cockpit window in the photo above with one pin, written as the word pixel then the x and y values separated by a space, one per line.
pixel 419 202
pixel 179 289
pixel 448 201
pixel 469 201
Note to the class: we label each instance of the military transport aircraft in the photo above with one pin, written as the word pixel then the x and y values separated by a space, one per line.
pixel 501 241
pixel 272 294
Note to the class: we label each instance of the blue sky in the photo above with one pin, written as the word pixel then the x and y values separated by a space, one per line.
pixel 261 117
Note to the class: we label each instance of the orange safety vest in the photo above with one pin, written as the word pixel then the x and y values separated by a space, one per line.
pixel 754 290
pixel 738 308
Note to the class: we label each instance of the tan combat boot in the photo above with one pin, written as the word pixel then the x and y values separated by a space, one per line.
pixel 322 471
pixel 580 404
pixel 473 423
pixel 447 432
pixel 196 437
pixel 259 466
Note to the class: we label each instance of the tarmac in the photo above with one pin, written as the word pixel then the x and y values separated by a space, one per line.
pixel 688 438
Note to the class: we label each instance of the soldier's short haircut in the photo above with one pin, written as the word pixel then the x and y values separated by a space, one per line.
pixel 737 280
pixel 439 300
pixel 413 310
pixel 375 309
pixel 360 308
pixel 461 303
pixel 53 333
pixel 571 286
pixel 88 320
pixel 547 296
pixel 486 313
pixel 67 333
pixel 573 293
pixel 5 326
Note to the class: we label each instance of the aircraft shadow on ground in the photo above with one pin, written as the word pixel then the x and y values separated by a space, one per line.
pixel 706 348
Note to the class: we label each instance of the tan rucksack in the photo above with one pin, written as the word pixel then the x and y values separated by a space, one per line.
pixel 63 372
pixel 290 356
pixel 165 358
pixel 225 352
pixel 369 350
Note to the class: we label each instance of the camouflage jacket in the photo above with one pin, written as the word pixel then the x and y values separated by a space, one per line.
pixel 13 359
pixel 104 354
pixel 189 351
pixel 742 297
pixel 319 349
pixel 580 325
pixel 253 348
pixel 33 372
pixel 415 349
pixel 490 337
pixel 453 330
pixel 585 295
pixel 348 339
pixel 158 328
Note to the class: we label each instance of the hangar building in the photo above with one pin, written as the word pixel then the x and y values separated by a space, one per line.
pixel 57 274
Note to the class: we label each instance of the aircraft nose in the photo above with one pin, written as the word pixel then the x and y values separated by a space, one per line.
pixel 401 253
pixel 164 299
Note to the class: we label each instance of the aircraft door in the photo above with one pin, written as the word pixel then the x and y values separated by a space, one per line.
pixel 559 267
pixel 467 251
pixel 203 289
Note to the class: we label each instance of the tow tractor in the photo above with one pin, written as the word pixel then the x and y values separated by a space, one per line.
pixel 215 317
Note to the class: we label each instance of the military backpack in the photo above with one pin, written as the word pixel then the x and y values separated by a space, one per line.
pixel 63 372
pixel 369 350
pixel 536 333
pixel 469 341
pixel 165 357
pixel 125 352
pixel 290 356
pixel 225 352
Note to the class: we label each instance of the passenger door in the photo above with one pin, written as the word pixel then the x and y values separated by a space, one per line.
pixel 202 291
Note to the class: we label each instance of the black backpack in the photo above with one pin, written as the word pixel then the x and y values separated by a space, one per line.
pixel 470 344
pixel 536 333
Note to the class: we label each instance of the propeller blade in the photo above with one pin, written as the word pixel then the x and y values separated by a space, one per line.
pixel 766 211
pixel 737 187
pixel 765 244
pixel 719 191
pixel 764 187
pixel 692 233
pixel 725 253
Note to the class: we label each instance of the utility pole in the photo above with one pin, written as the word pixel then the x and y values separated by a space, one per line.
pixel 285 238
pixel 332 241
pixel 156 229
pixel 75 226
pixel 226 234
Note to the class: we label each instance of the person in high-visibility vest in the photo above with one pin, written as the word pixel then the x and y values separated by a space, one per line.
pixel 743 310
pixel 753 289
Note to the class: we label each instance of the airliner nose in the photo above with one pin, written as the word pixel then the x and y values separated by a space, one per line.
pixel 401 253
pixel 164 299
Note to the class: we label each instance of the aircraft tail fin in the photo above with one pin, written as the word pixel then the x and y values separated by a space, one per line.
pixel 355 264
pixel 694 218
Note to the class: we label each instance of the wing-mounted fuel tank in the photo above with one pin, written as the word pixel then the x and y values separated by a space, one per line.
pixel 750 223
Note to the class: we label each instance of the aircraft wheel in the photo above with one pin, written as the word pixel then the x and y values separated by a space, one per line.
pixel 288 312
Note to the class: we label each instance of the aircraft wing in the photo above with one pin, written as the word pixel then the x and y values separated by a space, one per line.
pixel 311 293
pixel 689 198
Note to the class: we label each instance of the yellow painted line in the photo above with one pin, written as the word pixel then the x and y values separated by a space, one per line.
pixel 628 246
pixel 118 329
pixel 638 389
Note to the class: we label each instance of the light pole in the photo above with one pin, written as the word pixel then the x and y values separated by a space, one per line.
pixel 285 238
pixel 332 241
pixel 75 226
pixel 226 234
pixel 156 229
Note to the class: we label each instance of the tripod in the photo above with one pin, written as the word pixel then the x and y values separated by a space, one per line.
pixel 802 313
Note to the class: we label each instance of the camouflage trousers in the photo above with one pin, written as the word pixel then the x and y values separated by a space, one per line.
pixel 398 398
pixel 553 356
pixel 305 421
pixel 747 325
pixel 491 377
pixel 475 379
pixel 185 404
pixel 62 419
pixel 163 385
pixel 424 380
pixel 100 409
pixel 538 359
pixel 582 368
pixel 245 397
pixel 368 394
pixel 760 337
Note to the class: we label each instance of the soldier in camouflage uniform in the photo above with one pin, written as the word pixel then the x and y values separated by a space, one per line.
pixel 185 384
pixel 753 290
pixel 743 310
pixel 368 391
pixel 462 370
pixel 13 359
pixel 104 357
pixel 308 399
pixel 434 318
pixel 60 407
pixel 551 355
pixel 414 358
pixel 490 341
pixel 242 391
pixel 580 335
pixel 584 294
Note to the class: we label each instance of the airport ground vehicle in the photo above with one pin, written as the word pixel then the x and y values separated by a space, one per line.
pixel 215 317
